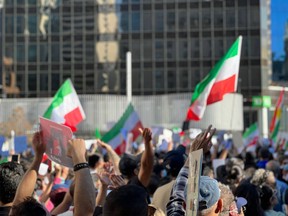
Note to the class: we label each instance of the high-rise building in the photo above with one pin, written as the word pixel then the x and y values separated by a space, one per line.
pixel 174 44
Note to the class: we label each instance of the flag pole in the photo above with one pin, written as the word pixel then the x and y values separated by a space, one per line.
pixel 129 77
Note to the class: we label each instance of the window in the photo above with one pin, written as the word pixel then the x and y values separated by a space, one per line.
pixel 55 52
pixel 183 49
pixel 206 18
pixel 159 50
pixel 136 49
pixel 135 19
pixel 171 50
pixel 32 82
pixel 32 24
pixel 183 79
pixel 44 53
pixel 147 46
pixel 207 48
pixel 21 53
pixel 254 17
pixel 171 78
pixel 242 17
pixel 147 21
pixel 255 46
pixel 20 24
pixel 159 23
pixel 218 18
pixel 9 24
pixel 159 79
pixel 195 48
pixel 170 23
pixel 148 83
pixel 125 21
pixel 194 19
pixel 182 20
pixel 55 82
pixel 230 18
pixel 32 53
pixel 219 52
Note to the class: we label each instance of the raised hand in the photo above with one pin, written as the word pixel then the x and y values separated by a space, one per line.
pixel 38 145
pixel 116 181
pixel 203 140
pixel 147 134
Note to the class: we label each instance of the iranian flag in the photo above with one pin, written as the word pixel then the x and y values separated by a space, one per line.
pixel 275 123
pixel 222 79
pixel 251 135
pixel 128 123
pixel 65 107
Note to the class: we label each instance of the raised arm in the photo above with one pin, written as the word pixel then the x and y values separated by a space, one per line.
pixel 114 157
pixel 147 159
pixel 84 193
pixel 27 185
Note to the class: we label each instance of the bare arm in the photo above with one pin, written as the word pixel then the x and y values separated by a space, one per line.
pixel 147 159
pixel 114 157
pixel 27 185
pixel 64 205
pixel 84 193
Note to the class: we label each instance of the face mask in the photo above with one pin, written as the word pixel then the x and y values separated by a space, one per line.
pixel 285 177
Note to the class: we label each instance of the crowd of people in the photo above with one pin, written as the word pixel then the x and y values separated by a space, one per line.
pixel 148 182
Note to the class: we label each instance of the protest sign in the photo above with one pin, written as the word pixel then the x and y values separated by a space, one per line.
pixel 56 137
pixel 195 168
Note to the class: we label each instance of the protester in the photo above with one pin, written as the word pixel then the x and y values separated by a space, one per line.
pixel 11 174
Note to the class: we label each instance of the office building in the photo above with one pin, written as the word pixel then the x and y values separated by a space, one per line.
pixel 174 44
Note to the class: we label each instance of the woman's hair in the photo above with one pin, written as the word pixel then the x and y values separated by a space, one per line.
pixel 266 193
pixel 251 194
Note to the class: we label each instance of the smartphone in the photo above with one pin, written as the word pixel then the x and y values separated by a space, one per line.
pixel 16 158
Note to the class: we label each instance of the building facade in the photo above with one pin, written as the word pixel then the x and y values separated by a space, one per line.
pixel 174 44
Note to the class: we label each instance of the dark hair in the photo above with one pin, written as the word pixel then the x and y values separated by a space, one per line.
pixel 127 165
pixel 127 200
pixel 266 192
pixel 29 207
pixel 173 162
pixel 250 193
pixel 11 174
pixel 93 160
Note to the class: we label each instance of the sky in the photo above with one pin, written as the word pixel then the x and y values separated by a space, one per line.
pixel 279 16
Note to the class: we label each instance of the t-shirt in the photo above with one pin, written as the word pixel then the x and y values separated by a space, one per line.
pixel 4 211
pixel 136 181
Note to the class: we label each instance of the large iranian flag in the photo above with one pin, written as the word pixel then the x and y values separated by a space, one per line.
pixel 128 123
pixel 65 107
pixel 222 79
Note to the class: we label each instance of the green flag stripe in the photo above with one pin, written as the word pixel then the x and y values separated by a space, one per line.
pixel 58 98
pixel 119 125
pixel 233 51
pixel 251 129
pixel 275 131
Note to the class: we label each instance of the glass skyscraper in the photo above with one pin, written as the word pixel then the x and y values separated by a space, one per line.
pixel 174 44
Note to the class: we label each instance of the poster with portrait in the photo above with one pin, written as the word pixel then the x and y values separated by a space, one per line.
pixel 56 137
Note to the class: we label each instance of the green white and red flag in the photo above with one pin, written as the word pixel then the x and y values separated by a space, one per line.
pixel 275 123
pixel 128 123
pixel 65 107
pixel 221 80
pixel 251 135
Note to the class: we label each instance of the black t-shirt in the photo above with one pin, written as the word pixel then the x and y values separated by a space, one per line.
pixel 136 181
pixel 4 211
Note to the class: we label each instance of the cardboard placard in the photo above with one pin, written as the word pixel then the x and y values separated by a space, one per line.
pixel 195 168
pixel 56 137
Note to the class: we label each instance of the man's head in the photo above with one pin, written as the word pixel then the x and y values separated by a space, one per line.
pixel 173 162
pixel 11 174
pixel 129 165
pixel 29 207
pixel 128 200
pixel 273 166
pixel 210 202
pixel 95 161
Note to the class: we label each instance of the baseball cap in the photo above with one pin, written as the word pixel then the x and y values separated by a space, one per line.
pixel 128 163
pixel 173 162
pixel 240 202
pixel 209 192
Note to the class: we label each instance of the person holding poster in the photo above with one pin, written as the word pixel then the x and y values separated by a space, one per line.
pixel 84 196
